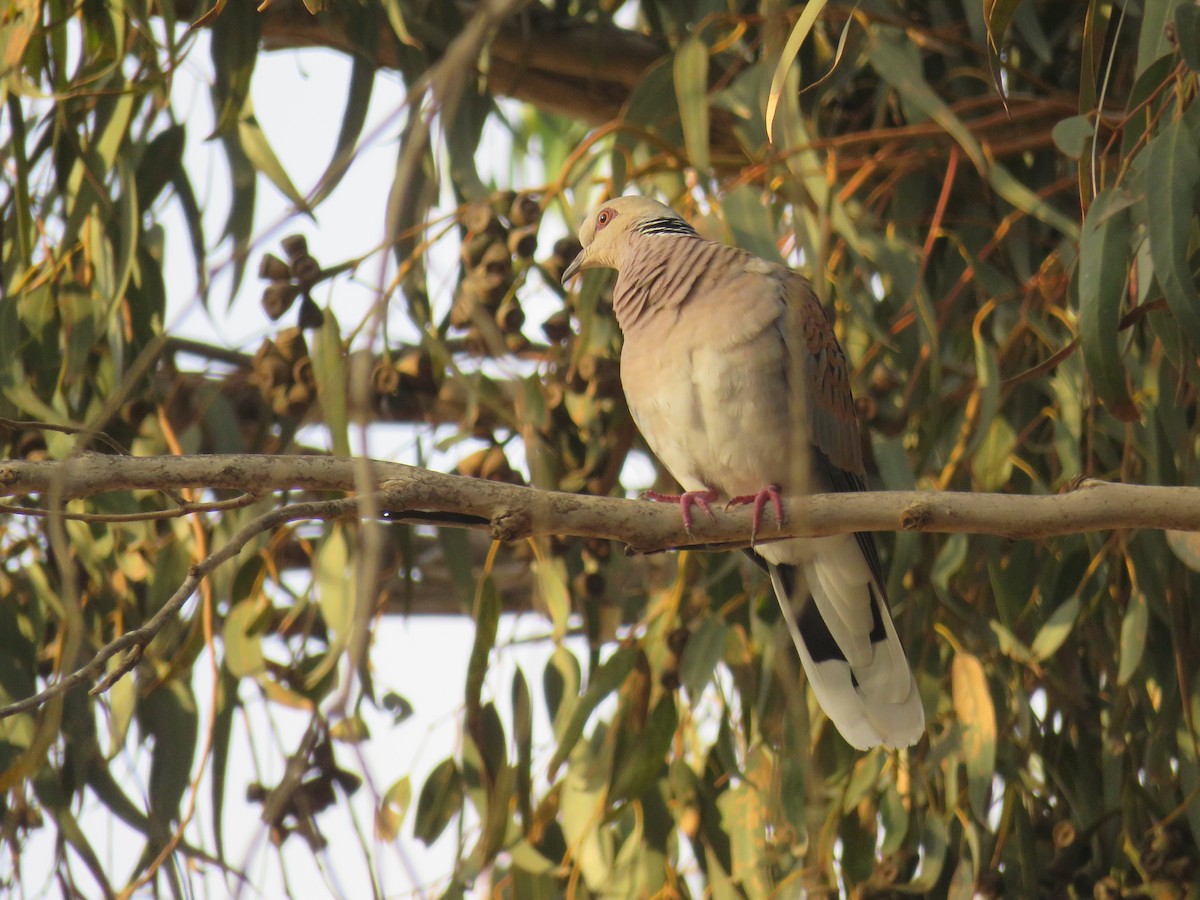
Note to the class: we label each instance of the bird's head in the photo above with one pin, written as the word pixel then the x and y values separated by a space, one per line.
pixel 605 234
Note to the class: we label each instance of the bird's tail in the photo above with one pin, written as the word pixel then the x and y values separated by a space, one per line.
pixel 851 653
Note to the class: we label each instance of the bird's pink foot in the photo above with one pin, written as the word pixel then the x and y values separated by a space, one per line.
pixel 768 494
pixel 686 500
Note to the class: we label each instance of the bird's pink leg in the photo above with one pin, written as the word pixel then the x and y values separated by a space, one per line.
pixel 686 501
pixel 769 493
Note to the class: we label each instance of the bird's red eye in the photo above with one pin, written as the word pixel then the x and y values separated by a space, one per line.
pixel 605 216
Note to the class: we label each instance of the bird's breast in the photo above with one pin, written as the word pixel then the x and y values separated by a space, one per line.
pixel 717 416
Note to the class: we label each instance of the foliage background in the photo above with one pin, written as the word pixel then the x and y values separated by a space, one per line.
pixel 999 201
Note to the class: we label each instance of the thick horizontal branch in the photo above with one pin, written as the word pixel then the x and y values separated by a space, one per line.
pixel 511 512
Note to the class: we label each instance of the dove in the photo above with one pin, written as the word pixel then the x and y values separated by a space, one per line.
pixel 734 377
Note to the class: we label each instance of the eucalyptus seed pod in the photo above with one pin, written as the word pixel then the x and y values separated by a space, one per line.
pixel 269 368
pixel 280 405
pixel 466 301
pixel 474 247
pixel 384 378
pixel 299 398
pixel 883 380
pixel 509 316
pixel 302 372
pixel 278 297
pixel 472 464
pixel 306 270
pixel 476 344
pixel 525 210
pixel 557 326
pixel 565 251
pixel 522 242
pixel 497 261
pixel 552 394
pixel 134 411
pixel 30 445
pixel 501 202
pixel 294 246
pixel 495 467
pixel 272 268
pixel 487 289
pixel 416 370
pixel 478 218
pixel 291 344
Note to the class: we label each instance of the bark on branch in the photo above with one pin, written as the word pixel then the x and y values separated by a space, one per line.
pixel 511 512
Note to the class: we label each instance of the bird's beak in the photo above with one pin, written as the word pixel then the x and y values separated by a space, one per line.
pixel 573 268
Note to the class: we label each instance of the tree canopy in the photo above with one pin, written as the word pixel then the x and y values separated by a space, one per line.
pixel 996 200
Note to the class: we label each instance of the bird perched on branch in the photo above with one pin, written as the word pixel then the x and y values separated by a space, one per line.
pixel 736 380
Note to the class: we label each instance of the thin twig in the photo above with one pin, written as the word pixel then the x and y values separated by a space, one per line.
pixel 153 515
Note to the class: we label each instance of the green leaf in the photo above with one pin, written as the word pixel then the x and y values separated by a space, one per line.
pixel 933 856
pixel 992 464
pixel 169 716
pixel 551 579
pixel 333 382
pixel 1186 546
pixel 701 655
pixel 393 806
pixel 1187 34
pixel 1055 630
pixel 395 15
pixel 603 682
pixel 804 24
pixel 691 92
pixel 1172 180
pixel 522 707
pixel 160 163
pixel 242 642
pixel 649 755
pixel 581 808
pixel 997 14
pixel 226 701
pixel 560 685
pixel 234 51
pixel 1074 135
pixel 487 620
pixel 743 818
pixel 239 225
pixel 1154 40
pixel 336 584
pixel 260 154
pixel 1134 626
pixel 976 716
pixel 949 560
pixel 898 62
pixel 456 554
pixel 358 100
pixel 1104 259
pixel 749 223
pixel 19 184
pixel 441 798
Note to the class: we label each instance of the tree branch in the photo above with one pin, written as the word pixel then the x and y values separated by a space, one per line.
pixel 512 512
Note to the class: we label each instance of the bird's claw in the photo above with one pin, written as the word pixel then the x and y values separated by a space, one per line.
pixel 686 500
pixel 769 493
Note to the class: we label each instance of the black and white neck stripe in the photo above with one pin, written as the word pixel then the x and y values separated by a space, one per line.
pixel 665 225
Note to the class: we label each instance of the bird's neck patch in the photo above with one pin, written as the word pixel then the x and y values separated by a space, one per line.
pixel 665 225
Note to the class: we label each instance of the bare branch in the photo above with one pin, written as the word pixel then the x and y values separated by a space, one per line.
pixel 511 512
